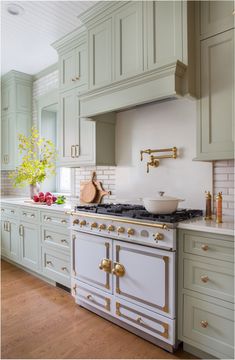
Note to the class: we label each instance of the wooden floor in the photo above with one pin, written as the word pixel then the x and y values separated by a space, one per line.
pixel 41 321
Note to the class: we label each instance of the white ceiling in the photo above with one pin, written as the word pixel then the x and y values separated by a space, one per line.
pixel 26 39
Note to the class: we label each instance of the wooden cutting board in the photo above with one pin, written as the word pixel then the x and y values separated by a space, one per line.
pixel 88 192
pixel 99 194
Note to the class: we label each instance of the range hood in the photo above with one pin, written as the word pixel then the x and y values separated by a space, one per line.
pixel 168 82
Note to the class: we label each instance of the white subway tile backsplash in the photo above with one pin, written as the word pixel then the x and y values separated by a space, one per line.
pixel 224 182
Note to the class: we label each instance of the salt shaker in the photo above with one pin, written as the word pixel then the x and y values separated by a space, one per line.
pixel 219 207
pixel 208 206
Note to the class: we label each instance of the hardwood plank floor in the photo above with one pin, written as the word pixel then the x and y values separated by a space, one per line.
pixel 40 321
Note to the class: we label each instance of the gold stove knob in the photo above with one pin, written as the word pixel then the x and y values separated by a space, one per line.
pixel 111 228
pixel 94 225
pixel 159 236
pixel 130 231
pixel 83 222
pixel 102 227
pixel 120 230
pixel 75 222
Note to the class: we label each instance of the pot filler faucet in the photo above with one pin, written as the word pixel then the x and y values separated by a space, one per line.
pixel 154 161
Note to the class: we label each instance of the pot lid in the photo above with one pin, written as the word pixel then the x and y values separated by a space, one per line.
pixel 162 197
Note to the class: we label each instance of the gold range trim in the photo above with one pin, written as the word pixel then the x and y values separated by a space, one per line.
pixel 95 215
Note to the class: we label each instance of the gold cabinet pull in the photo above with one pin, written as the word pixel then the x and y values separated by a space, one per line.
pixel 63 221
pixel 21 230
pixel 118 270
pixel 139 320
pixel 90 297
pixel 4 225
pixel 48 218
pixel 64 268
pixel 73 79
pixel 77 77
pixel 77 152
pixel 204 323
pixel 49 262
pixel 75 222
pixel 63 241
pixel 75 289
pixel 204 278
pixel 73 151
pixel 32 215
pixel 13 211
pixel 204 247
pixel 2 210
pixel 105 265
pixel 48 237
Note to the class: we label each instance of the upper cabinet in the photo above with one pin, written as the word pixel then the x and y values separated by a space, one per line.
pixel 16 90
pixel 216 17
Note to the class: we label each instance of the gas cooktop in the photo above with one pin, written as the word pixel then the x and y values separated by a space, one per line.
pixel 139 212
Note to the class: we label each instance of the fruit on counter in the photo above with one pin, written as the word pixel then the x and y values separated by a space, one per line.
pixel 54 198
pixel 48 194
pixel 60 199
pixel 41 197
pixel 48 198
pixel 36 198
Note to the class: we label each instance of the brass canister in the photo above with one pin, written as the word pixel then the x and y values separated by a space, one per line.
pixel 208 215
pixel 219 200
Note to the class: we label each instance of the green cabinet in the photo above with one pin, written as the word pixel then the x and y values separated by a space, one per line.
pixel 29 245
pixel 16 90
pixel 9 238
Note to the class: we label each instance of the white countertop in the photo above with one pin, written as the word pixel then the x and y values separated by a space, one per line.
pixel 199 224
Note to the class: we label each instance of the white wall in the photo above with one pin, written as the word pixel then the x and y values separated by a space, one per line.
pixel 156 126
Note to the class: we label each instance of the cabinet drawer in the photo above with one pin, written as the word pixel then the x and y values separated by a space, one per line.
pixel 215 280
pixel 55 219
pixel 209 325
pixel 55 238
pixel 56 266
pixel 91 296
pixel 9 211
pixel 29 215
pixel 208 245
pixel 148 321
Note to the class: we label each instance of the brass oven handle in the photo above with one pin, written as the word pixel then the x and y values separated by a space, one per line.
pixel 105 265
pixel 118 270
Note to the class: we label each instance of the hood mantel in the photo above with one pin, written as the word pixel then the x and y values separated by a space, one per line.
pixel 163 83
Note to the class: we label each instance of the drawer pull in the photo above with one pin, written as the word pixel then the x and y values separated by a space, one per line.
pixel 49 262
pixel 2 210
pixel 64 268
pixel 13 211
pixel 63 240
pixel 139 320
pixel 75 289
pixel 64 221
pixel 204 247
pixel 74 237
pixel 24 213
pixel 32 215
pixel 48 237
pixel 204 278
pixel 77 77
pixel 75 222
pixel 90 297
pixel 105 265
pixel 118 270
pixel 48 218
pixel 204 323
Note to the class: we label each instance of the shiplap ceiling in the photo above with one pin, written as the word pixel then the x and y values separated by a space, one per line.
pixel 26 39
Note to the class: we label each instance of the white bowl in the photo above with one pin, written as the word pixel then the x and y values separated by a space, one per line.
pixel 161 204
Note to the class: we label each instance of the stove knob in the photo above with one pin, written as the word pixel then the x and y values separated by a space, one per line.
pixel 158 236
pixel 120 230
pixel 83 222
pixel 130 231
pixel 75 222
pixel 94 225
pixel 102 227
pixel 111 228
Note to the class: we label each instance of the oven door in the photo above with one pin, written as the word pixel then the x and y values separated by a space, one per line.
pixel 91 260
pixel 145 276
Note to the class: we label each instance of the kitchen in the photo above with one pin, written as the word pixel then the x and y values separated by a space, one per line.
pixel 138 98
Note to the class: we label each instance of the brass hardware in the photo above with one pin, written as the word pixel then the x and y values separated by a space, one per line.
pixel 107 305
pixel 105 265
pixel 132 222
pixel 73 79
pixel 83 223
pixel 4 225
pixel 219 200
pixel 118 270
pixel 74 237
pixel 102 227
pixel 165 334
pixel 13 211
pixel 204 247
pixel 94 225
pixel 154 160
pixel 139 320
pixel 77 152
pixel 48 218
pixel 63 221
pixel 32 215
pixel 64 268
pixel 130 231
pixel 204 323
pixel 75 289
pixel 73 151
pixel 49 262
pixel 111 228
pixel 21 230
pixel 24 213
pixel 89 297
pixel 49 237
pixel 120 230
pixel 2 210
pixel 77 77
pixel 118 309
pixel 63 240
pixel 75 222
pixel 159 236
pixel 204 278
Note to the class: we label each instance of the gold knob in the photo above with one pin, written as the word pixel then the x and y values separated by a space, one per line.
pixel 204 247
pixel 105 265
pixel 204 323
pixel 102 226
pixel 49 262
pixel 77 77
pixel 159 236
pixel 75 222
pixel 130 231
pixel 111 228
pixel 204 278
pixel 118 270
pixel 120 230
pixel 139 320
pixel 94 225
pixel 64 268
pixel 63 221
pixel 89 297
pixel 83 222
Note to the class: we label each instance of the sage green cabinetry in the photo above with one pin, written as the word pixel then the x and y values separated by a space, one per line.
pixel 29 245
pixel 9 238
pixel 206 292
pixel 16 115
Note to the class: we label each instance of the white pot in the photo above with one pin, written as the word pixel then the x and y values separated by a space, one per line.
pixel 161 204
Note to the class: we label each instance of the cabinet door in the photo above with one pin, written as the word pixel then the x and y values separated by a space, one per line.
pixel 163 32
pixel 88 252
pixel 100 54
pixel 81 65
pixel 128 40
pixel 29 245
pixel 69 127
pixel 216 17
pixel 217 97
pixel 67 69
pixel 87 141
pixel 14 240
pixel 5 239
pixel 7 99
pixel 23 97
pixel 22 126
pixel 8 143
pixel 145 276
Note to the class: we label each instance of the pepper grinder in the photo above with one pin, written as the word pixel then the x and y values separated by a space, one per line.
pixel 219 207
pixel 208 206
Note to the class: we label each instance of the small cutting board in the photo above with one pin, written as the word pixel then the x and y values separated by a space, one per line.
pixel 89 191
pixel 100 192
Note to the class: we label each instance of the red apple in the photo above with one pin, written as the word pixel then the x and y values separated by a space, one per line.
pixel 48 193
pixel 41 194
pixel 49 200
pixel 54 198
pixel 41 198
pixel 36 198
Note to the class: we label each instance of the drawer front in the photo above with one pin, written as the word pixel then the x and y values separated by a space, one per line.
pixel 29 215
pixel 152 323
pixel 56 238
pixel 91 296
pixel 56 266
pixel 55 219
pixel 211 246
pixel 208 324
pixel 9 211
pixel 213 280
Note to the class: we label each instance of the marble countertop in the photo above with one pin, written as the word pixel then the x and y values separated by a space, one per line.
pixel 199 224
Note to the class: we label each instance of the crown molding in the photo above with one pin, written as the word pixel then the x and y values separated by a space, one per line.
pixel 45 71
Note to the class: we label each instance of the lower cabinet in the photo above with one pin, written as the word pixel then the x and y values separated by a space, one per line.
pixel 9 238
pixel 29 245
pixel 56 266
